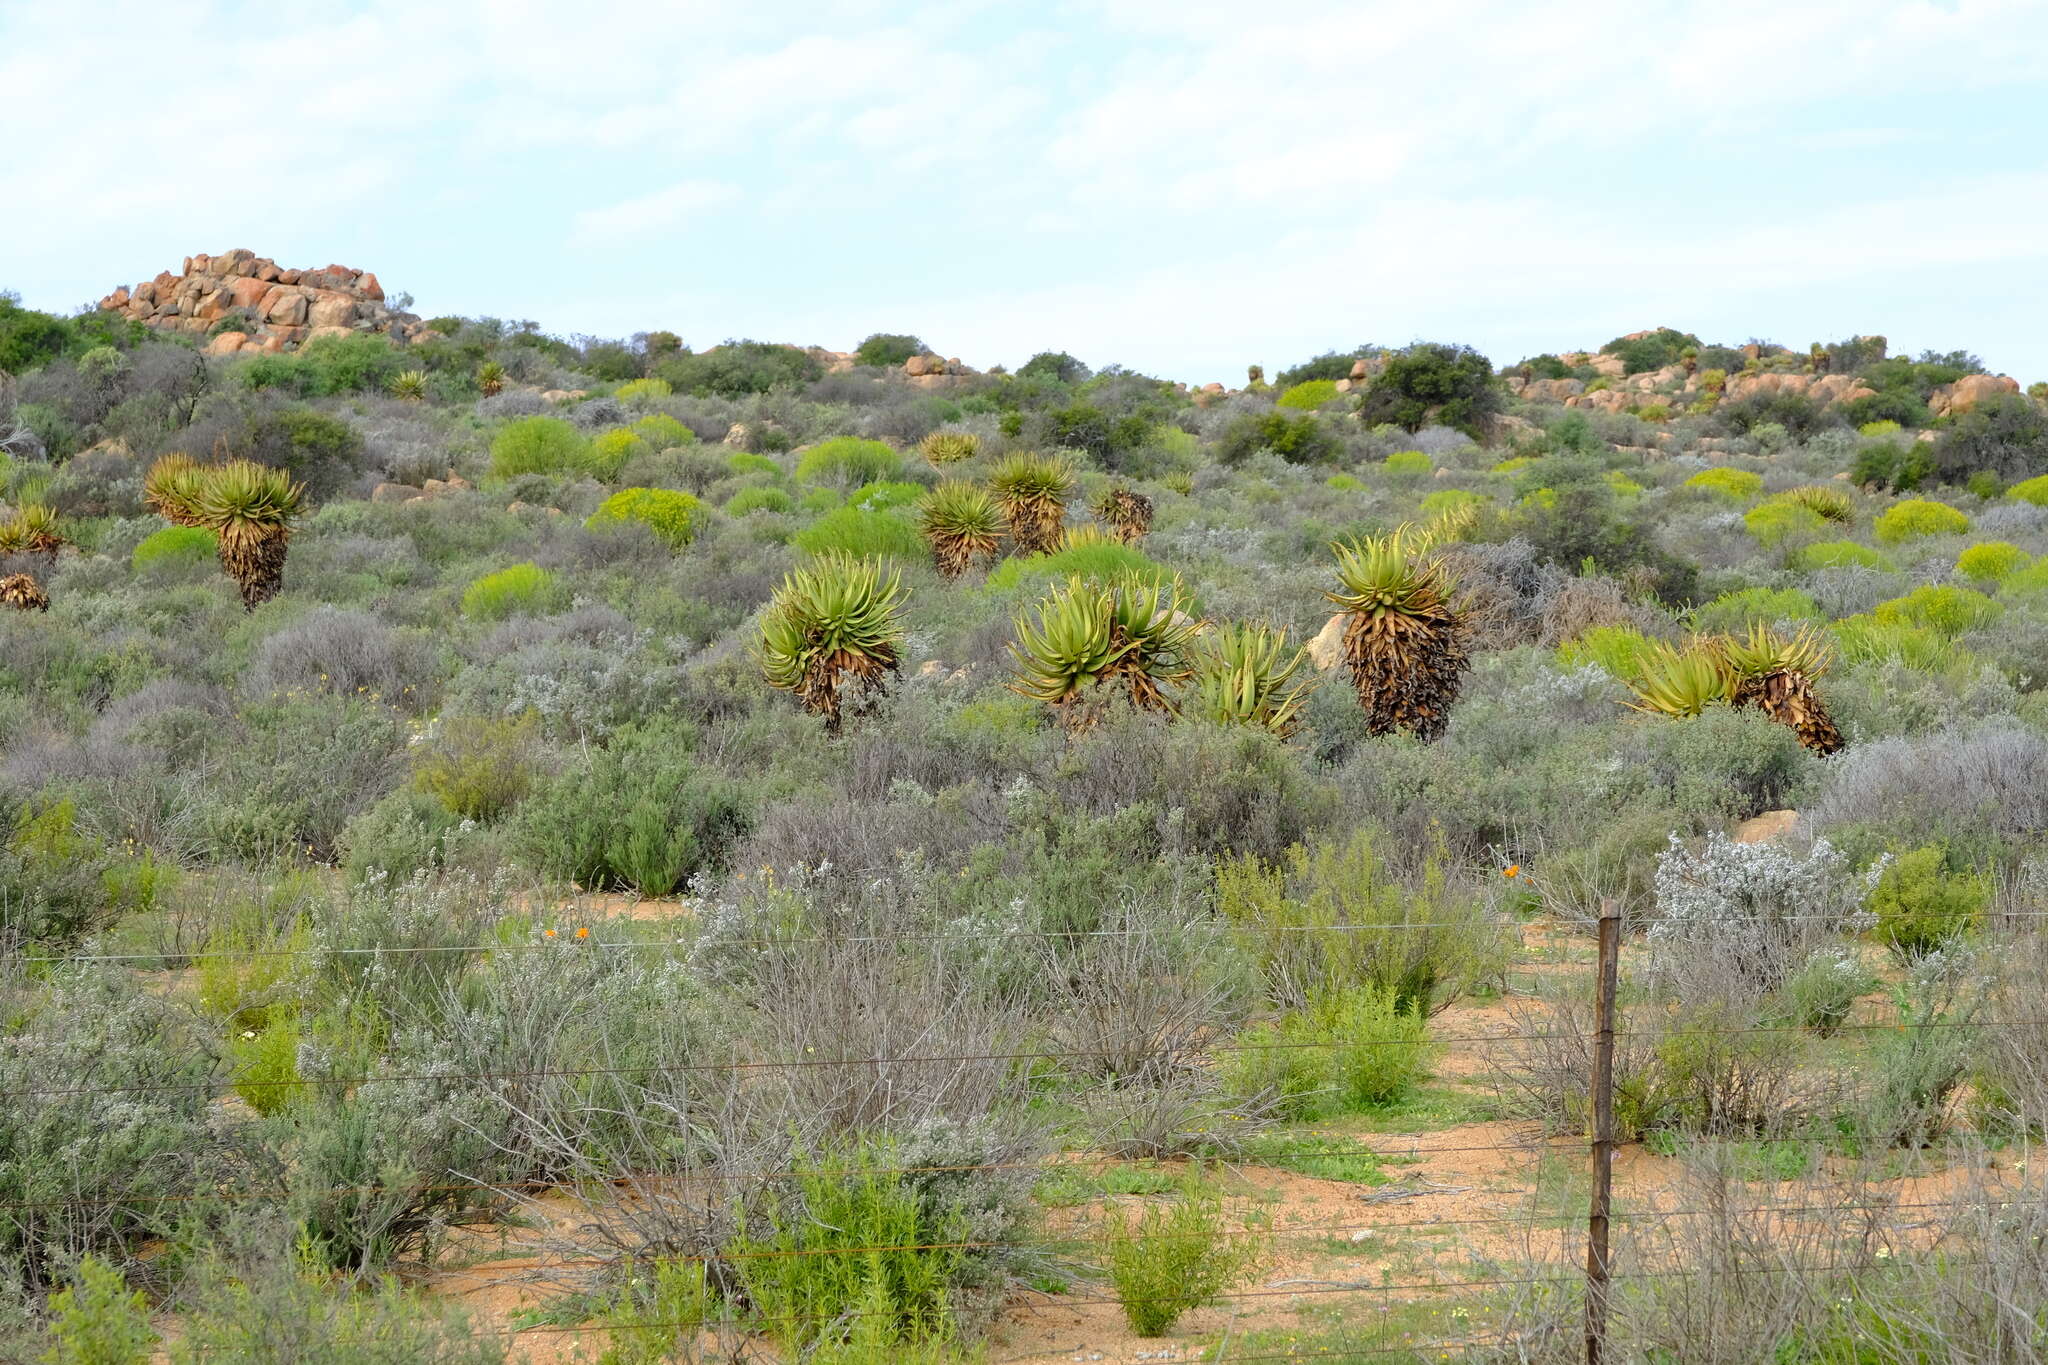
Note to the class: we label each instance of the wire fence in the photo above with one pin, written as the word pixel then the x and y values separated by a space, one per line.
pixel 1555 1217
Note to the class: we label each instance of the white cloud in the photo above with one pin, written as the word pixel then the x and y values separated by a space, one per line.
pixel 650 215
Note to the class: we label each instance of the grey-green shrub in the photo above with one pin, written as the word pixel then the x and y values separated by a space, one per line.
pixel 639 814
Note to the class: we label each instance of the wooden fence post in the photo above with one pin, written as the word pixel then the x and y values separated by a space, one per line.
pixel 1597 1274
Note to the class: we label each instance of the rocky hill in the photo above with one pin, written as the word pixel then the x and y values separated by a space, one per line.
pixel 250 302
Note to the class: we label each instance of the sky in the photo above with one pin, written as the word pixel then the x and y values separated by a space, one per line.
pixel 1178 186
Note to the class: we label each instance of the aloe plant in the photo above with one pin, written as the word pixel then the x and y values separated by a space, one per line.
pixel 1404 643
pixel 1244 675
pixel 833 635
pixel 252 508
pixel 1091 643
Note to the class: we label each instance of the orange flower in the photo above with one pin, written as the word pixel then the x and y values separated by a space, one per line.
pixel 547 933
pixel 1512 870
pixel 583 933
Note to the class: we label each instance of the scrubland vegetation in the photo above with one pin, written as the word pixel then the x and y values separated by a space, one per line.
pixel 777 861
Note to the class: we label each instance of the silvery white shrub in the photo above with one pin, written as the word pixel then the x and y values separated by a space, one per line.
pixel 1737 919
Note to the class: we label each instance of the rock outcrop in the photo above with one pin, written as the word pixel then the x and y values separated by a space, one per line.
pixel 268 307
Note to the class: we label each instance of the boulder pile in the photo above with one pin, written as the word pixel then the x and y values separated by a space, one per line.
pixel 251 303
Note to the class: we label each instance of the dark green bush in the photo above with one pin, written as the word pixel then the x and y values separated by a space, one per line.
pixel 888 348
pixel 739 368
pixel 1433 383
pixel 2005 435
pixel 1329 365
pixel 1297 440
pixel 1653 352
pixel 322 452
pixel 1055 366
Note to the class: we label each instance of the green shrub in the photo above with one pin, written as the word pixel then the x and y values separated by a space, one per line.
pixel 1345 483
pixel 658 1313
pixel 1098 561
pixel 1617 649
pixel 1349 1050
pixel 1430 382
pixel 1916 517
pixel 2034 490
pixel 97 1320
pixel 636 390
pixel 1737 611
pixel 318 449
pixel 674 517
pixel 848 462
pixel 793 1260
pixel 1309 395
pixel 1895 464
pixel 2029 582
pixel 1864 639
pixel 1839 554
pixel 1821 993
pixel 1879 429
pixel 1336 916
pixel 2005 436
pixel 606 455
pixel 885 497
pixel 862 534
pixel 523 589
pixel 1297 440
pixel 1992 561
pixel 739 368
pixel 757 500
pixel 1944 608
pixel 747 465
pixel 1735 485
pixel 478 767
pixel 1921 906
pixel 1407 464
pixel 638 815
pixel 1775 523
pixel 663 432
pixel 888 348
pixel 175 547
pixel 1174 1258
pixel 1446 501
pixel 539 445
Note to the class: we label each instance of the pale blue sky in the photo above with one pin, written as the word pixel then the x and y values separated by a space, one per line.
pixel 1182 188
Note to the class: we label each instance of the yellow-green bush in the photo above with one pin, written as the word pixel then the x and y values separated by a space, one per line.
pixel 673 516
pixel 1734 611
pixel 609 451
pixel 1309 395
pixel 539 445
pixel 636 390
pixel 862 533
pixel 757 500
pixel 2034 490
pixel 1839 554
pixel 1446 501
pixel 175 546
pixel 849 462
pixel 661 431
pixel 1917 517
pixel 1736 485
pixel 1921 905
pixel 1617 649
pixel 523 589
pixel 1776 523
pixel 1864 639
pixel 1944 608
pixel 478 767
pixel 1407 464
pixel 1992 561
